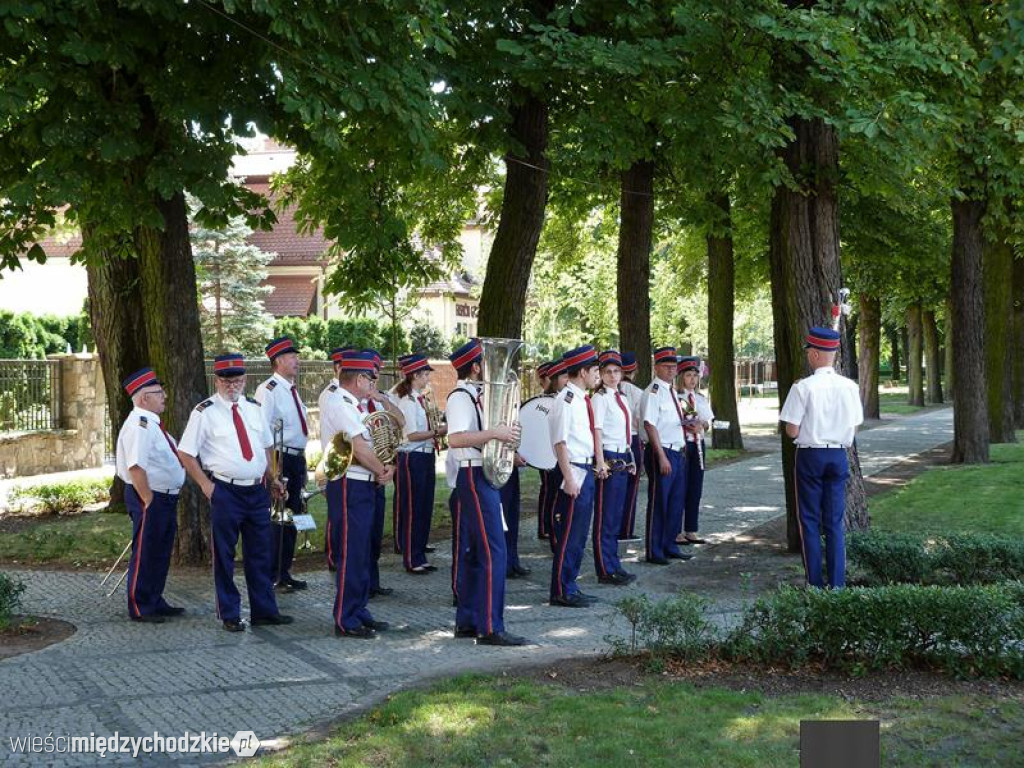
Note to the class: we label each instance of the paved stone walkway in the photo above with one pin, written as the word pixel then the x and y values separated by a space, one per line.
pixel 188 675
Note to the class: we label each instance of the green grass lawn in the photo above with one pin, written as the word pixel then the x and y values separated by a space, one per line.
pixel 985 498
pixel 473 721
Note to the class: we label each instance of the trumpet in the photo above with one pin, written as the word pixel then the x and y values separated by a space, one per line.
pixel 279 513
pixel 435 420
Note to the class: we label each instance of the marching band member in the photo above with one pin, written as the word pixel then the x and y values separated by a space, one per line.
pixel 571 424
pixel 697 417
pixel 481 570
pixel 148 463
pixel 543 378
pixel 414 478
pixel 822 413
pixel 666 489
pixel 230 434
pixel 613 432
pixel 280 400
pixel 557 380
pixel 351 499
pixel 634 395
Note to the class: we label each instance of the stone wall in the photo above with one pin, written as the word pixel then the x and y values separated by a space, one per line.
pixel 79 442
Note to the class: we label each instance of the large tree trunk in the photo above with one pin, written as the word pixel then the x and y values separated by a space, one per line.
pixel 970 419
pixel 915 356
pixel 176 350
pixel 998 302
pixel 721 310
pixel 1018 341
pixel 850 347
pixel 633 293
pixel 948 368
pixel 805 274
pixel 870 348
pixel 503 297
pixel 932 359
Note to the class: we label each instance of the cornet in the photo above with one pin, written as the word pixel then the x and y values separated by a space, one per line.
pixel 279 513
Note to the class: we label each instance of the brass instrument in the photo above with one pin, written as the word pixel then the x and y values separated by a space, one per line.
pixel 279 513
pixel 500 405
pixel 620 465
pixel 435 420
pixel 334 463
pixel 385 435
pixel 690 414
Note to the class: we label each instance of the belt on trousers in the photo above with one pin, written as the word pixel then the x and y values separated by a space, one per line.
pixel 615 449
pixel 294 451
pixel 234 481
pixel 581 465
pixel 672 446
pixel 822 445
pixel 167 492
pixel 422 449
pixel 359 474
pixel 471 463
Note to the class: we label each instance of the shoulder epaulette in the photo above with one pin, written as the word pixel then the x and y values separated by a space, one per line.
pixel 332 388
pixel 271 383
pixel 569 394
pixel 253 400
pixel 204 405
pixel 654 387
pixel 143 422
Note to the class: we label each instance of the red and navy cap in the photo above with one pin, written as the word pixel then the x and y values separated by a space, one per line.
pixel 142 378
pixel 628 362
pixel 353 361
pixel 337 352
pixel 665 355
pixel 557 368
pixel 575 358
pixel 468 353
pixel 280 346
pixel 610 357
pixel 412 363
pixel 544 370
pixel 689 363
pixel 822 338
pixel 231 364
pixel 377 359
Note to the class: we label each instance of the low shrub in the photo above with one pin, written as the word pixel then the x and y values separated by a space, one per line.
pixel 889 558
pixel 61 498
pixel 677 627
pixel 10 598
pixel 979 558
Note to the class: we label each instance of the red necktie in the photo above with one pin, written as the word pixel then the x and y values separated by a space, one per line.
pixel 371 404
pixel 243 438
pixel 625 412
pixel 171 443
pixel 302 419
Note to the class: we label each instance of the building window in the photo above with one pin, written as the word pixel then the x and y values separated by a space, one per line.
pixel 462 329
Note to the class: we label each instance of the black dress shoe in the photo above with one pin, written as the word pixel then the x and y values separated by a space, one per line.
pixel 501 638
pixel 616 579
pixel 588 599
pixel 630 577
pixel 377 626
pixel 678 556
pixel 360 633
pixel 573 601
pixel 463 632
pixel 267 621
pixel 149 619
pixel 511 574
pixel 381 592
pixel 686 540
pixel 419 570
pixel 521 570
pixel 430 567
pixel 295 584
pixel 543 536
pixel 429 549
pixel 657 561
pixel 170 610
pixel 234 625
pixel 455 602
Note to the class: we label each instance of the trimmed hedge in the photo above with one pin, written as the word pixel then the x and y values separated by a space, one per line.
pixel 967 558
pixel 61 498
pixel 10 598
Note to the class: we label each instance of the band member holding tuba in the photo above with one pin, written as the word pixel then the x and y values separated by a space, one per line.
pixel 697 418
pixel 414 474
pixel 351 498
pixel 543 379
pixel 481 569
pixel 572 435
pixel 279 397
pixel 634 396
pixel 148 463
pixel 613 432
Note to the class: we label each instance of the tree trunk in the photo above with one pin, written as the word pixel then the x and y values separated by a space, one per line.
pixel 176 350
pixel 850 347
pixel 970 419
pixel 933 368
pixel 721 308
pixel 915 356
pixel 998 301
pixel 870 347
pixel 892 333
pixel 503 297
pixel 1018 341
pixel 633 295
pixel 805 275
pixel 948 369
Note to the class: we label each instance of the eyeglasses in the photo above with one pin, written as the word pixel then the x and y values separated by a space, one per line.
pixel 239 382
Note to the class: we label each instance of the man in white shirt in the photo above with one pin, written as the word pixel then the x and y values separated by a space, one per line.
pixel 230 434
pixel 822 413
pixel 147 462
pixel 279 398
pixel 634 396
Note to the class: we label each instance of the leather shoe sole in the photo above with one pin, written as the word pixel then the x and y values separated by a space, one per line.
pixel 377 626
pixel 359 633
pixel 270 621
pixel 569 602
pixel 501 638
pixel 614 579
pixel 234 626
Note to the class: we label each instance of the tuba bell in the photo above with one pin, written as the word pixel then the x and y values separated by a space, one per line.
pixel 335 461
pixel 500 405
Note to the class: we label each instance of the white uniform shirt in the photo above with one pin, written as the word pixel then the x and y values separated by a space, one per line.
pixel 341 414
pixel 275 396
pixel 327 392
pixel 464 414
pixel 660 408
pixel 569 423
pixel 141 443
pixel 703 408
pixel 415 421
pixel 634 397
pixel 211 437
pixel 826 407
pixel 612 417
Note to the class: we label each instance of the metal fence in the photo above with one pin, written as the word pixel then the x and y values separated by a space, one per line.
pixel 30 397
pixel 755 377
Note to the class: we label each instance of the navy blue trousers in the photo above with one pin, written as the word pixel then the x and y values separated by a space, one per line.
pixel 542 504
pixel 455 509
pixel 283 536
pixel 242 509
pixel 377 534
pixel 609 498
pixel 351 506
pixel 554 483
pixel 666 496
pixel 481 578
pixel 510 506
pixel 414 505
pixel 570 526
pixel 628 527
pixel 821 502
pixel 153 530
pixel 694 487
